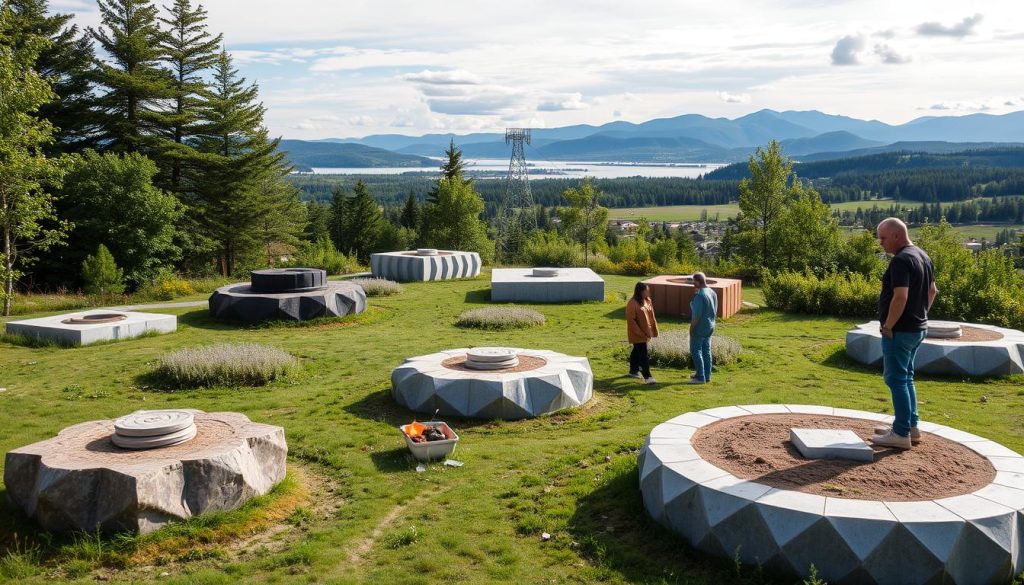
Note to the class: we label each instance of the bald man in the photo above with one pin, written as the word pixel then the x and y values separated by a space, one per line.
pixel 908 291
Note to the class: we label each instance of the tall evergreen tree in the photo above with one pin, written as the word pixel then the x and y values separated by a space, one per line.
pixel 453 221
pixel 133 80
pixel 65 62
pixel 243 203
pixel 363 223
pixel 338 219
pixel 453 166
pixel 188 50
pixel 27 219
pixel 410 217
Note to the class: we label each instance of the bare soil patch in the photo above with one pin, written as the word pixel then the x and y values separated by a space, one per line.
pixel 969 334
pixel 757 448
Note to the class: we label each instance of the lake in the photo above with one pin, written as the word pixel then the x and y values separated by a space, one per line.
pixel 495 168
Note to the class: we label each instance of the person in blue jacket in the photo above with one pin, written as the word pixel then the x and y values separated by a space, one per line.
pixel 703 308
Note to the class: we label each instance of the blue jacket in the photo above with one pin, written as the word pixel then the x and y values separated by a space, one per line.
pixel 703 309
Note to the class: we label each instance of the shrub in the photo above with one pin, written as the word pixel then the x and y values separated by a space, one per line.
pixel 500 318
pixel 548 249
pixel 228 364
pixel 672 348
pixel 641 268
pixel 322 254
pixel 101 274
pixel 378 287
pixel 847 295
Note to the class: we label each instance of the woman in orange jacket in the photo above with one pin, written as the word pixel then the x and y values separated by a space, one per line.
pixel 641 327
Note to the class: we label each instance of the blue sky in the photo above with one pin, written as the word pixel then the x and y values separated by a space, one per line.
pixel 353 68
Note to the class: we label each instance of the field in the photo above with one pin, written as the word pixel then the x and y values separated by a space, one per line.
pixel 369 517
pixel 693 212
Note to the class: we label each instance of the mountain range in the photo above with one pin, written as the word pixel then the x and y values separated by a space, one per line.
pixel 805 135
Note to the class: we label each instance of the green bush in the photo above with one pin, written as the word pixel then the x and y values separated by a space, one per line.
pixel 847 295
pixel 227 364
pixel 378 287
pixel 549 249
pixel 638 268
pixel 322 254
pixel 497 318
pixel 101 274
pixel 672 349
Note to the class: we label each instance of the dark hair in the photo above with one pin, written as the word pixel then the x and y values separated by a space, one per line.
pixel 638 292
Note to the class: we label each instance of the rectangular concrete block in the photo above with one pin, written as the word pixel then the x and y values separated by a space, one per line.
pixel 55 328
pixel 569 285
pixel 831 444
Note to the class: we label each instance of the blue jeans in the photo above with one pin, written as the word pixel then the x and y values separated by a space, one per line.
pixel 898 356
pixel 700 349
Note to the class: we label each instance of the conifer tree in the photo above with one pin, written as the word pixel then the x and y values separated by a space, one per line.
pixel 363 223
pixel 188 50
pixel 243 203
pixel 65 62
pixel 101 275
pixel 453 221
pixel 410 216
pixel 132 79
pixel 27 219
pixel 338 220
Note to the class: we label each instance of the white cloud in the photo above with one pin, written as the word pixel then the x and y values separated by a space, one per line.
pixel 361 121
pixel 891 56
pixel 734 98
pixel 349 58
pixel 326 118
pixel 305 126
pixel 558 104
pixel 455 77
pixel 958 30
pixel 846 50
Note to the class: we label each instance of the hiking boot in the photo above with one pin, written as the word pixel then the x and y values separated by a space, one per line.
pixel 891 439
pixel 915 433
pixel 651 380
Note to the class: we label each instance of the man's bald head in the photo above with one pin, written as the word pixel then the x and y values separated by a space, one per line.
pixel 893 235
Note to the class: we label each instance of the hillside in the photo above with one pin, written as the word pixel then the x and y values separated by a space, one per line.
pixel 305 154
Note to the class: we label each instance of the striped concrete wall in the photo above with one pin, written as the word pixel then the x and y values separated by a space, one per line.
pixel 405 268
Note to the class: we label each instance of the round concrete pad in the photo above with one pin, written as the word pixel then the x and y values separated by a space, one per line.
pixel 154 442
pixel 151 423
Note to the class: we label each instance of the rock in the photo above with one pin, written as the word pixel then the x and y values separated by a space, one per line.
pixel 80 481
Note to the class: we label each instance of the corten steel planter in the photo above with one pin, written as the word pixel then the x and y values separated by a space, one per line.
pixel 671 295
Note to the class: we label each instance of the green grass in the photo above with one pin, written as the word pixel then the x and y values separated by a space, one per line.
pixel 572 475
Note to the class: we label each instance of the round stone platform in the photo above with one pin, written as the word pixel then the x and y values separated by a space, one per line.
pixel 981 350
pixel 240 302
pixel 967 538
pixel 80 481
pixel 540 383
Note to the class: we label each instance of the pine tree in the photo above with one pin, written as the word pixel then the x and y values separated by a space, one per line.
pixel 66 62
pixel 188 50
pixel 452 167
pixel 27 219
pixel 410 217
pixel 101 275
pixel 338 218
pixel 363 223
pixel 453 221
pixel 133 78
pixel 243 203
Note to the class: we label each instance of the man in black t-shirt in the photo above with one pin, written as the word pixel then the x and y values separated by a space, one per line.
pixel 908 291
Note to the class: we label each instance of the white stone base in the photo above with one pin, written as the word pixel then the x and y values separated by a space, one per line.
pixel 571 284
pixel 52 328
pixel 831 444
pixel 947 356
pixel 969 539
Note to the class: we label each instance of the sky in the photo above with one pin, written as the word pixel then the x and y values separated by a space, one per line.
pixel 354 68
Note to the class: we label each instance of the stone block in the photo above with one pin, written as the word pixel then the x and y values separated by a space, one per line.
pixel 76 328
pixel 410 266
pixel 831 444
pixel 81 481
pixel 569 285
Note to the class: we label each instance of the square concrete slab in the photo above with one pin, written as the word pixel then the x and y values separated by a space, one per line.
pixel 554 285
pixel 831 444
pixel 85 327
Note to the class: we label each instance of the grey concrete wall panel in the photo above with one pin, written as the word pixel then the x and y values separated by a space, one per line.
pixel 55 329
pixel 81 481
pixel 409 267
pixel 278 280
pixel 972 539
pixel 238 302
pixel 999 357
pixel 570 285
pixel 422 384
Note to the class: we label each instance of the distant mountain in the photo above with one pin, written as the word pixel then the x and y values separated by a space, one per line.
pixel 306 154
pixel 697 138
pixel 936 147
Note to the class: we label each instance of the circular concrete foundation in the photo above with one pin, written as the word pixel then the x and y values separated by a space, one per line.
pixel 540 382
pixel 240 302
pixel 981 350
pixel 970 538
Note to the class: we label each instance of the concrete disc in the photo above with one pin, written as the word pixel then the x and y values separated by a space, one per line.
pixel 168 440
pixel 153 423
pixel 426 251
pixel 490 354
pixel 545 272
pixel 492 365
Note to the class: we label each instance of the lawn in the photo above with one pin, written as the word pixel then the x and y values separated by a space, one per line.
pixel 371 518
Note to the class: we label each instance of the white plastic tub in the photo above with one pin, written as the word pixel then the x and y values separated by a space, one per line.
pixel 432 449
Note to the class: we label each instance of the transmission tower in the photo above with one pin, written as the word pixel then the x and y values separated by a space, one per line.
pixel 516 216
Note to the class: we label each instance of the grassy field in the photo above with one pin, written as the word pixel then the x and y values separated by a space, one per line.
pixel 693 212
pixel 366 515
